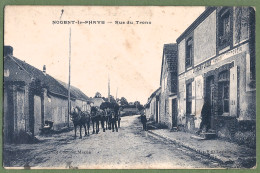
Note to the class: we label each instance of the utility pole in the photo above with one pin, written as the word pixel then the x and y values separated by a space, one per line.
pixel 108 89
pixel 69 80
pixel 116 92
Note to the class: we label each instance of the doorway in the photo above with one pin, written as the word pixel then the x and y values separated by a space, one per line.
pixel 37 114
pixel 210 96
pixel 174 113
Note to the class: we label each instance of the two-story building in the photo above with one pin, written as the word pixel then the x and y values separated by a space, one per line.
pixel 168 83
pixel 216 62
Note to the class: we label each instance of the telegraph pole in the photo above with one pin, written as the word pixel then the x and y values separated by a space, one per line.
pixel 69 79
pixel 116 92
pixel 108 89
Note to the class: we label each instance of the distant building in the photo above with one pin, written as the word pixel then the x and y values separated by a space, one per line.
pixel 31 97
pixel 216 62
pixel 97 101
pixel 129 110
pixel 168 82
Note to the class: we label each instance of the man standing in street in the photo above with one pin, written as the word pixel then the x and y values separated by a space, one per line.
pixel 114 124
pixel 143 120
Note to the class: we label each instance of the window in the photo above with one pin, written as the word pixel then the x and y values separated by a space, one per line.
pixel 188 98
pixel 189 53
pixel 224 28
pixel 173 82
pixel 223 92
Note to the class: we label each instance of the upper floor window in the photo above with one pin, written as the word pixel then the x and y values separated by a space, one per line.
pixel 224 27
pixel 189 52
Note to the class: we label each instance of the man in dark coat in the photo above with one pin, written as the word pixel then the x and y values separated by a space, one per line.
pixel 114 119
pixel 205 116
pixel 103 119
pixel 143 120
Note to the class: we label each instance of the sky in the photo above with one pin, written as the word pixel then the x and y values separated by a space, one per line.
pixel 130 55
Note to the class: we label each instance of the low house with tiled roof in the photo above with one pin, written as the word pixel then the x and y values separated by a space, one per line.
pixel 168 83
pixel 80 98
pixel 147 108
pixel 31 97
pixel 152 107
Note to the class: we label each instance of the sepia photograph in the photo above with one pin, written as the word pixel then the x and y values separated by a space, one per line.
pixel 129 87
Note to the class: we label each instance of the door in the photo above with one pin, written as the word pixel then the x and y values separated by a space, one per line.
pixel 174 112
pixel 8 116
pixel 157 111
pixel 37 114
pixel 20 117
pixel 210 96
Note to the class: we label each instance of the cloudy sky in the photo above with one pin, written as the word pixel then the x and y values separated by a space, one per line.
pixel 130 54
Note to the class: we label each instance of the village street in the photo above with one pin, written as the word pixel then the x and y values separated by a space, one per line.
pixel 129 148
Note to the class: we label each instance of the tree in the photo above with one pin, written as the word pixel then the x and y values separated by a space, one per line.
pixel 105 105
pixel 112 99
pixel 97 95
pixel 137 103
pixel 123 101
pixel 140 107
pixel 105 99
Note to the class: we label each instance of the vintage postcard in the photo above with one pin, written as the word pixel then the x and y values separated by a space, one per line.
pixel 129 87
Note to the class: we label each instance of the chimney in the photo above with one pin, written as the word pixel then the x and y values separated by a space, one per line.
pixel 44 70
pixel 8 50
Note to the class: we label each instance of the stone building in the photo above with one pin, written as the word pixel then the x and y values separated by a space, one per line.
pixel 216 62
pixel 97 101
pixel 31 97
pixel 79 99
pixel 168 83
pixel 153 106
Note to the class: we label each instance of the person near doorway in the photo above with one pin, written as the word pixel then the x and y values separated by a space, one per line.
pixel 205 117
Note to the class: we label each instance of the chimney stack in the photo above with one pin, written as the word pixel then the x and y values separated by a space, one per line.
pixel 8 50
pixel 44 69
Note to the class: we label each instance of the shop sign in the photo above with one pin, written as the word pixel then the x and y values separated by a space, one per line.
pixel 219 58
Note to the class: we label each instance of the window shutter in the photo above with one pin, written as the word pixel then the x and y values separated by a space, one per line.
pixel 184 97
pixel 233 91
pixel 199 93
pixel 193 88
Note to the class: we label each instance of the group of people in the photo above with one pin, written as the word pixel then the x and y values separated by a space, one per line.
pixel 109 119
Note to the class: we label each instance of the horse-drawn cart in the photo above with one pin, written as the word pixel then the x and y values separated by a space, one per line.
pixel 47 127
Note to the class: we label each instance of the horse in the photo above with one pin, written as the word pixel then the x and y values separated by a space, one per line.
pixel 96 115
pixel 80 118
pixel 87 117
pixel 103 119
pixel 108 119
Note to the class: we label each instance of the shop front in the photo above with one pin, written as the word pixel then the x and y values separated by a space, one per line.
pixel 223 82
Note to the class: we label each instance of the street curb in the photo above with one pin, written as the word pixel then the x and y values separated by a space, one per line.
pixel 220 159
